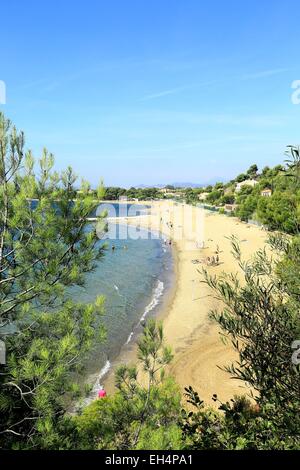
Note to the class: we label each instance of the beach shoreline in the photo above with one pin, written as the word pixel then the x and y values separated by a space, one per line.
pixel 199 353
pixel 128 351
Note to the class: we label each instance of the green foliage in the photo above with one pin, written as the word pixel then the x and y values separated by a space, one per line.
pixel 273 212
pixel 167 437
pixel 252 171
pixel 144 411
pixel 46 246
pixel 113 422
pixel 228 198
pixel 262 325
pixel 278 211
pixel 214 196
pixel 260 315
pixel 242 425
pixel 288 268
pixel 191 195
pixel 144 194
pixel 293 165
pixel 241 177
pixel 247 208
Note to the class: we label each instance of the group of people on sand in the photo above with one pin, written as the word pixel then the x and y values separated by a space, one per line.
pixel 209 260
pixel 212 260
pixel 168 224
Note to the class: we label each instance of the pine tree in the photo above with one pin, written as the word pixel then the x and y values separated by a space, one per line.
pixel 46 246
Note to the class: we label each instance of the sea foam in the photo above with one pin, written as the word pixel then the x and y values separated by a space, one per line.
pixel 154 302
pixel 157 293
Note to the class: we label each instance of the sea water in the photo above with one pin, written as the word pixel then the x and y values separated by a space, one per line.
pixel 133 278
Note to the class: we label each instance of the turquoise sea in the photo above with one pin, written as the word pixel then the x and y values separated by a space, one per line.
pixel 133 277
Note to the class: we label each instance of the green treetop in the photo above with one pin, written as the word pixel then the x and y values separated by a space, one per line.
pixel 45 247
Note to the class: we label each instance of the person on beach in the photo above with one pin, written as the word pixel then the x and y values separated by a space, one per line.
pixel 101 393
pixel 113 248
pixel 217 259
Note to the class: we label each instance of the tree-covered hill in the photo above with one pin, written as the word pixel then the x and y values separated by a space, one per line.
pixel 267 196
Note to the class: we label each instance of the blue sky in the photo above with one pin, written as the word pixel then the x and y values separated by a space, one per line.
pixel 153 92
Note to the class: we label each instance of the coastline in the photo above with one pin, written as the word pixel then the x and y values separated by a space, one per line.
pixel 199 353
pixel 128 352
pixel 131 299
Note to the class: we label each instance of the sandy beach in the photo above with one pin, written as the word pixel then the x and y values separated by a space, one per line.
pixel 195 340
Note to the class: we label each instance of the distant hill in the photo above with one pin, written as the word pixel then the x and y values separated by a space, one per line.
pixel 186 185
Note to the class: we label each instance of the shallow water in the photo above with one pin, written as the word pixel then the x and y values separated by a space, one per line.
pixel 133 278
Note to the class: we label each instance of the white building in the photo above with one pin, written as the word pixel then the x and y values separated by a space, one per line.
pixel 266 192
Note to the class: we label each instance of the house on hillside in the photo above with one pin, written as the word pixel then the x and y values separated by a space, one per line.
pixel 170 192
pixel 166 190
pixel 251 183
pixel 266 192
